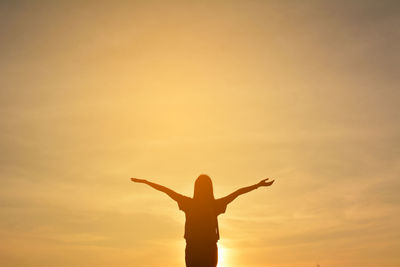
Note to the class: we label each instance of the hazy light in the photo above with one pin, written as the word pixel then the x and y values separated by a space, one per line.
pixel 305 92
pixel 223 256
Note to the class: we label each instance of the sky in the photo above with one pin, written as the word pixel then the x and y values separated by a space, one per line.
pixel 95 92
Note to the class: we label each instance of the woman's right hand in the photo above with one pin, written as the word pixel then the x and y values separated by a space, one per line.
pixel 137 180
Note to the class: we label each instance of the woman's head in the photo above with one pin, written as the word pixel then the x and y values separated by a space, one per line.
pixel 203 188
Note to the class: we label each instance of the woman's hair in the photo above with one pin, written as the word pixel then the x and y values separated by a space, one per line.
pixel 203 188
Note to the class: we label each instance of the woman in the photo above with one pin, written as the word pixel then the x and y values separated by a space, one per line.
pixel 201 211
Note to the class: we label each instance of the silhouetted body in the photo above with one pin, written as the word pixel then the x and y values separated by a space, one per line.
pixel 201 212
pixel 201 230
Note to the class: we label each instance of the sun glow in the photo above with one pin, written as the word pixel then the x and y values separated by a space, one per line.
pixel 223 255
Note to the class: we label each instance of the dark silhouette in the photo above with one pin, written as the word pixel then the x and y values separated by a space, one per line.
pixel 201 211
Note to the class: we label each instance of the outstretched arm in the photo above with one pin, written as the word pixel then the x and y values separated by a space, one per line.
pixel 229 198
pixel 171 193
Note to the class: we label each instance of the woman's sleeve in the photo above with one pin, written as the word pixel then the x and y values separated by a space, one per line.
pixel 220 205
pixel 183 202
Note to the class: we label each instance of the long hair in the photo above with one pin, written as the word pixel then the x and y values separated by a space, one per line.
pixel 203 188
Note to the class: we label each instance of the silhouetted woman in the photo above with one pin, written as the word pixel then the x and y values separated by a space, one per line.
pixel 201 211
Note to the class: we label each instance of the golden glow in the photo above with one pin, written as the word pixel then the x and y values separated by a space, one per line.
pixel 223 256
pixel 95 92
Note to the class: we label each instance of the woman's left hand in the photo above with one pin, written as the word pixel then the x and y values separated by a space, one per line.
pixel 265 183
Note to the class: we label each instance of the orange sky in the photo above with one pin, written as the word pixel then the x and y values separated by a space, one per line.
pixel 92 94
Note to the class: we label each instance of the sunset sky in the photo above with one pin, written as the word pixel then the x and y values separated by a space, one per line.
pixel 305 92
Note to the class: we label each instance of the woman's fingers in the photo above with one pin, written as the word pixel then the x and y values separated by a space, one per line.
pixel 265 183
